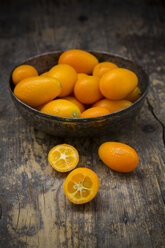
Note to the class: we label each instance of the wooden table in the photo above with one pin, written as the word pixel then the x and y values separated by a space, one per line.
pixel 129 210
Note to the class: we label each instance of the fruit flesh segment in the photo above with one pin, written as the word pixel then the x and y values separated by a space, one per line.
pixel 63 157
pixel 80 186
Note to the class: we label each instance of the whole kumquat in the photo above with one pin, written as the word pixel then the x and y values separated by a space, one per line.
pixel 102 68
pixel 118 83
pixel 112 106
pixel 66 75
pixel 118 156
pixel 94 112
pixel 44 74
pixel 87 90
pixel 81 61
pixel 81 75
pixel 23 71
pixel 36 91
pixel 134 95
pixel 41 106
pixel 62 108
pixel 76 102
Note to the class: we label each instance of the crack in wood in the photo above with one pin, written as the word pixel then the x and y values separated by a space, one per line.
pixel 19 210
pixel 0 212
pixel 151 109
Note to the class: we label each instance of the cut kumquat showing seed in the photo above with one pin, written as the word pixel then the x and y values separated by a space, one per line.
pixel 63 157
pixel 81 185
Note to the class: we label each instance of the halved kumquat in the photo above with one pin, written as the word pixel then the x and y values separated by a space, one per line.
pixel 81 185
pixel 63 157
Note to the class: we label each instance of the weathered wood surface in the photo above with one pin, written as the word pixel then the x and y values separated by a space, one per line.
pixel 129 210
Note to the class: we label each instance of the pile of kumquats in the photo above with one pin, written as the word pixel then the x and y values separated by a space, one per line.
pixel 80 86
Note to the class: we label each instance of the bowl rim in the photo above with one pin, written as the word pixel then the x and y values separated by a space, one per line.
pixel 80 120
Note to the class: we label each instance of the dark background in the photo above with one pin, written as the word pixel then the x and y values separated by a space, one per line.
pixel 129 209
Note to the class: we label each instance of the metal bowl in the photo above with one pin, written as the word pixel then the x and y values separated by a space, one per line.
pixel 61 126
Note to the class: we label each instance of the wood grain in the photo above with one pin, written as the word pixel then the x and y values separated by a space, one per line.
pixel 129 210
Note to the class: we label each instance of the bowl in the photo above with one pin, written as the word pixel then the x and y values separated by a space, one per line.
pixel 102 125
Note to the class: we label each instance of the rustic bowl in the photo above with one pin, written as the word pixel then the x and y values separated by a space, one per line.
pixel 61 126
